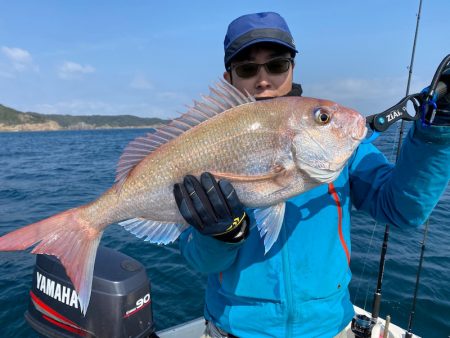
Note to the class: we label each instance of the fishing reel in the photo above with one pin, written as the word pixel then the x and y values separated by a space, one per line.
pixel 362 326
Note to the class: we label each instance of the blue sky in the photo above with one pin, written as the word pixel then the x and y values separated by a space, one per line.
pixel 151 58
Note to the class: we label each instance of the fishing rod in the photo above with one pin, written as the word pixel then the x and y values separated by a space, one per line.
pixel 377 295
pixel 436 90
pixel 408 333
pixel 424 104
pixel 362 325
pixel 410 71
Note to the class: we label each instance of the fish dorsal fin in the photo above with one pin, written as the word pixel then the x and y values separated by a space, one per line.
pixel 222 96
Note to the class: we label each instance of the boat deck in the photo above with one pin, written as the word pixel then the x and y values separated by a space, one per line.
pixel 194 329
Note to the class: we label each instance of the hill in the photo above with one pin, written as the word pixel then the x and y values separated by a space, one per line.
pixel 14 120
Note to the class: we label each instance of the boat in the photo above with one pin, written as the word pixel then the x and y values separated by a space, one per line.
pixel 121 304
pixel 194 329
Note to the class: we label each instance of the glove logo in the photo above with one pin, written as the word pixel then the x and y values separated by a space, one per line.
pixel 236 222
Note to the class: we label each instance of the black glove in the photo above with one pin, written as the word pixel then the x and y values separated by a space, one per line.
pixel 213 208
pixel 443 104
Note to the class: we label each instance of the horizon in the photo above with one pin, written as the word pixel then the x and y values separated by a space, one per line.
pixel 152 59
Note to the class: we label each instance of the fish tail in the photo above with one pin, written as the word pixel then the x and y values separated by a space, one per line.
pixel 71 237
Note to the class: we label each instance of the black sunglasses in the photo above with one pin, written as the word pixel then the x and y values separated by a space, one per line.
pixel 247 70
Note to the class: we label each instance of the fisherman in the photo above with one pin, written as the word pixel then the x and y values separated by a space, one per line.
pixel 299 288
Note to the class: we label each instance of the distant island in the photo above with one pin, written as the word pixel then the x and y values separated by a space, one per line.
pixel 13 120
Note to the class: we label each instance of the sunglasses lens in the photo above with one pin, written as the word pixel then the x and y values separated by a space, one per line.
pixel 247 70
pixel 250 69
pixel 278 66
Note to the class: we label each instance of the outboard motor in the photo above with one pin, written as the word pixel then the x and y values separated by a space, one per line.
pixel 120 304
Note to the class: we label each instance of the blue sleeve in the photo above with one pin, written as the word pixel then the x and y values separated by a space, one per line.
pixel 205 253
pixel 404 194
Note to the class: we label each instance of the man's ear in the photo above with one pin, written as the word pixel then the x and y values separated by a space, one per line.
pixel 227 76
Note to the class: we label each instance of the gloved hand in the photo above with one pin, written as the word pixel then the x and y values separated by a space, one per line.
pixel 443 104
pixel 213 208
pixel 441 115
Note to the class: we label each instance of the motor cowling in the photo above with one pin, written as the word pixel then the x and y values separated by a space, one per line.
pixel 120 304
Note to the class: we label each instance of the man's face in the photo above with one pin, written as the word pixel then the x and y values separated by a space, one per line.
pixel 263 84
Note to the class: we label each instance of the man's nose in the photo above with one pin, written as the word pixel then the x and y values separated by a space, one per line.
pixel 263 79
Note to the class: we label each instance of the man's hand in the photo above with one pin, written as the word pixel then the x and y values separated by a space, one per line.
pixel 443 104
pixel 213 208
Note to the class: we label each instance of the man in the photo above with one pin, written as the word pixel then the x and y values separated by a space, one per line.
pixel 300 287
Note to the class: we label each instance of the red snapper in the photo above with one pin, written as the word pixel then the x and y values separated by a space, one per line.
pixel 270 150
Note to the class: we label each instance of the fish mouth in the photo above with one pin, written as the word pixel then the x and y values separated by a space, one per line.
pixel 323 175
pixel 359 134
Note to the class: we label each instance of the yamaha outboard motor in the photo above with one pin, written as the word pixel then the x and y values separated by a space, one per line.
pixel 120 304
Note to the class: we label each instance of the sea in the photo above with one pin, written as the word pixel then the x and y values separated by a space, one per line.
pixel 42 173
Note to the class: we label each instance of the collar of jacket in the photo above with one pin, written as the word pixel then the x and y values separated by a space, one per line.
pixel 296 90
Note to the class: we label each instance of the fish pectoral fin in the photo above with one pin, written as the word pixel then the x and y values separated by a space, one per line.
pixel 154 231
pixel 269 221
pixel 277 171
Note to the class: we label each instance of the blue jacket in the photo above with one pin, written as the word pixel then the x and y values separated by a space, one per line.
pixel 300 287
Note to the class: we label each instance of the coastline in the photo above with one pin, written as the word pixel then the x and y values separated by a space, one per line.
pixel 12 120
pixel 53 126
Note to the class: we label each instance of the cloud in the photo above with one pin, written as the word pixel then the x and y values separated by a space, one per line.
pixel 20 59
pixel 86 107
pixel 71 70
pixel 139 81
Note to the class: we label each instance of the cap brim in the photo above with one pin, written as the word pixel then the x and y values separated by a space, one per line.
pixel 256 41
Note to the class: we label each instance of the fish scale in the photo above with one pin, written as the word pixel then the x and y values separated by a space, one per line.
pixel 199 150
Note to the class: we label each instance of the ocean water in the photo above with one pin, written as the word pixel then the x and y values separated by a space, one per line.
pixel 42 173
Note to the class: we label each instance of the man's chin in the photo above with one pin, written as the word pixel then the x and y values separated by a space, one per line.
pixel 265 95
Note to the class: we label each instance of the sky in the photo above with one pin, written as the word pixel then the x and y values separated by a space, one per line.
pixel 152 58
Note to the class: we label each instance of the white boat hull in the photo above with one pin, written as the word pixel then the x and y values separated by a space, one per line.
pixel 194 329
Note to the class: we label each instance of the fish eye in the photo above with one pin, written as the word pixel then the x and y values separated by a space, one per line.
pixel 322 116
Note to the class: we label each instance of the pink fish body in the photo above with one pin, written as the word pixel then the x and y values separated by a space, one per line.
pixel 270 150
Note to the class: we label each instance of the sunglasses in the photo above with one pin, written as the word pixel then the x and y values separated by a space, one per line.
pixel 247 70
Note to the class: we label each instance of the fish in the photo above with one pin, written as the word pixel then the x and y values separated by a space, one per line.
pixel 270 150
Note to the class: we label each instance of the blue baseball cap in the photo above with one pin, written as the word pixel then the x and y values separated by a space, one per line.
pixel 255 28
